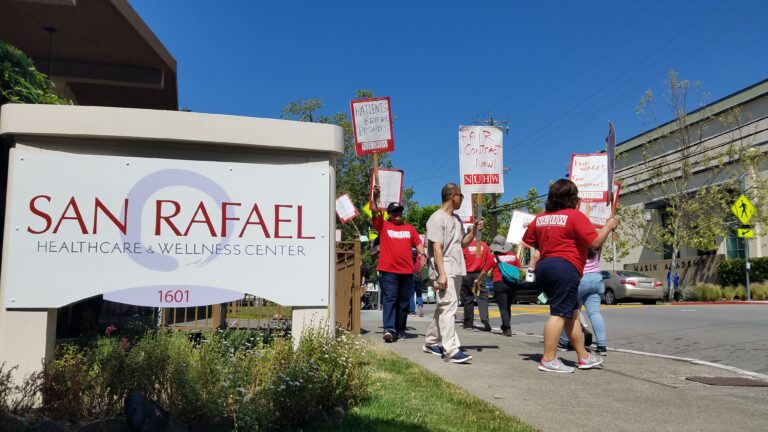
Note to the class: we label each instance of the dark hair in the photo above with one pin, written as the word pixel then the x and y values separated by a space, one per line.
pixel 448 190
pixel 563 194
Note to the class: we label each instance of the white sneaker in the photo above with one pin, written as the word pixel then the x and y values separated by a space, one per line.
pixel 589 362
pixel 554 366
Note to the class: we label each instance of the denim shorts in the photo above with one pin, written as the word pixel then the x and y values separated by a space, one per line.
pixel 560 280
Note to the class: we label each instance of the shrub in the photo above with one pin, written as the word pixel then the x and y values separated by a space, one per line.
pixel 708 292
pixel 732 272
pixel 740 292
pixel 729 293
pixel 20 82
pixel 244 379
pixel 759 290
pixel 690 293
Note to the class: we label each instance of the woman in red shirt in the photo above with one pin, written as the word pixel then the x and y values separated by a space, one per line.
pixel 562 235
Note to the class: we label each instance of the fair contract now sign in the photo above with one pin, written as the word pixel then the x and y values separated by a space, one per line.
pixel 164 232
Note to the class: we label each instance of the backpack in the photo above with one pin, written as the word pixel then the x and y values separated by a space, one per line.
pixel 509 273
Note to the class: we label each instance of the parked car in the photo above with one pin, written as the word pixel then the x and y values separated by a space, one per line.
pixel 623 285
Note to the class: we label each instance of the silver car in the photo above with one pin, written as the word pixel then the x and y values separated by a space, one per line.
pixel 623 285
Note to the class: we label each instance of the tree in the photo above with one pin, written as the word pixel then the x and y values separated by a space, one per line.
pixel 20 82
pixel 691 181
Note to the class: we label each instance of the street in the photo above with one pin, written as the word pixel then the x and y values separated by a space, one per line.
pixel 732 335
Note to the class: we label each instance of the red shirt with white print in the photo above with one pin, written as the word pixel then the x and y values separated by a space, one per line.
pixel 562 234
pixel 395 246
pixel 475 264
pixel 509 258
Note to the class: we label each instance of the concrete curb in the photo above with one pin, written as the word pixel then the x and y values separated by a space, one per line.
pixel 732 302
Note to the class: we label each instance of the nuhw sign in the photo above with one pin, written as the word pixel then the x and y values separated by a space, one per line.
pixel 163 232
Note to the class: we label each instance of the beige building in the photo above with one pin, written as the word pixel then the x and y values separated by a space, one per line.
pixel 712 136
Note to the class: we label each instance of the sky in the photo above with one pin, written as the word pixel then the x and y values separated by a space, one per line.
pixel 557 71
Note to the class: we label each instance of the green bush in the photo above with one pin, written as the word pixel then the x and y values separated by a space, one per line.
pixel 708 292
pixel 759 290
pixel 740 292
pixel 729 293
pixel 238 378
pixel 732 272
pixel 690 294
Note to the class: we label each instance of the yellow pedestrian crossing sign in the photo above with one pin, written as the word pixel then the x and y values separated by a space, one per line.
pixel 743 209
pixel 745 232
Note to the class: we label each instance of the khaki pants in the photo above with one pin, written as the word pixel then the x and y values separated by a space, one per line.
pixel 442 329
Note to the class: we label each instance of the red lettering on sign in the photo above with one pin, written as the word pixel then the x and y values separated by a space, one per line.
pixel 225 218
pixel 159 217
pixel 206 220
pixel 259 221
pixel 77 216
pixel 40 213
pixel 278 220
pixel 122 226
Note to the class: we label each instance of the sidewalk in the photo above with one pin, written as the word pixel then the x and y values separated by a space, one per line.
pixel 631 393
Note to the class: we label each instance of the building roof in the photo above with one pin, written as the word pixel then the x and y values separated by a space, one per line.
pixel 101 49
pixel 741 97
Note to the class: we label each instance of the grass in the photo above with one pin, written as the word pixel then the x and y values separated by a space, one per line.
pixel 407 397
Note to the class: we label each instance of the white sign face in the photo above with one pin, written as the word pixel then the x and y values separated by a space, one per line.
pixel 599 212
pixel 481 159
pixel 590 174
pixel 391 186
pixel 372 126
pixel 162 232
pixel 338 235
pixel 345 209
pixel 465 211
pixel 517 226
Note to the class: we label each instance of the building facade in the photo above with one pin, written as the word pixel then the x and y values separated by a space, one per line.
pixel 739 120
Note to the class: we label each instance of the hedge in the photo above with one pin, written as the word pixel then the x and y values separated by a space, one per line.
pixel 731 272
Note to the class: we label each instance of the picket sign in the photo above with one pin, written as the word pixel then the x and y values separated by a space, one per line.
pixel 590 174
pixel 481 159
pixel 599 213
pixel 465 211
pixel 345 209
pixel 391 183
pixel 517 226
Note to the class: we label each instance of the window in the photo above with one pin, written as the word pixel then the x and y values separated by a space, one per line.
pixel 734 247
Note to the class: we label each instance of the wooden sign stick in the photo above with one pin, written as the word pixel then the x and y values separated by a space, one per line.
pixel 376 181
pixel 479 215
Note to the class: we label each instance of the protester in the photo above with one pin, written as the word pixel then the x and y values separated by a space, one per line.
pixel 590 292
pixel 503 291
pixel 562 235
pixel 474 280
pixel 395 265
pixel 417 292
pixel 446 238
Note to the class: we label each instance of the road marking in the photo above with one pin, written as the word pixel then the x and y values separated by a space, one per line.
pixel 695 361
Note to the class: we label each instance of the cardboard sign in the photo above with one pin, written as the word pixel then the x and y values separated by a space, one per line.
pixel 517 226
pixel 481 159
pixel 590 174
pixel 465 211
pixel 372 126
pixel 391 187
pixel 600 212
pixel 345 209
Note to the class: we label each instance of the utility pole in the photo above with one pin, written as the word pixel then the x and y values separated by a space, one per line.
pixel 501 124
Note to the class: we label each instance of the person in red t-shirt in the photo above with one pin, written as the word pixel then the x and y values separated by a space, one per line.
pixel 477 270
pixel 395 265
pixel 562 235
pixel 503 291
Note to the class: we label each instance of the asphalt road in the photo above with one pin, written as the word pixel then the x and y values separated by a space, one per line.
pixel 732 335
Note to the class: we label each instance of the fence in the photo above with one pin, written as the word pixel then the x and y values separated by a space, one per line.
pixel 348 285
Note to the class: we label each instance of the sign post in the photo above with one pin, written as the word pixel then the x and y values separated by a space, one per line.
pixel 744 210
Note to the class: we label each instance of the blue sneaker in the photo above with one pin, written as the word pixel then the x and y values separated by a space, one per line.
pixel 459 357
pixel 434 349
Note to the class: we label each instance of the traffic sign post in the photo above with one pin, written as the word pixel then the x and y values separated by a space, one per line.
pixel 744 210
